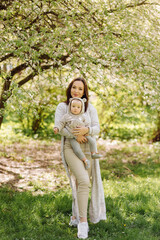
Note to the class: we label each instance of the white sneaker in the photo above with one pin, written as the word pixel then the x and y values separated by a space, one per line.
pixel 73 222
pixel 83 230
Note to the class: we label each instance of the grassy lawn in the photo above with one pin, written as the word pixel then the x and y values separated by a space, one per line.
pixel 130 173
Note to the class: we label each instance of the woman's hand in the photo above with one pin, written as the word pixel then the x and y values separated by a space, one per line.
pixel 80 131
pixel 81 139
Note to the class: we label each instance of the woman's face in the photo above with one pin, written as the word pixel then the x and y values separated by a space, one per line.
pixel 77 89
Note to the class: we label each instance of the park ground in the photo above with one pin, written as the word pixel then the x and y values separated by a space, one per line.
pixel 35 198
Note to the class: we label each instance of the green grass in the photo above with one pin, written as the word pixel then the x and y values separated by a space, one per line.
pixel 133 208
pixel 24 216
pixel 131 181
pixel 11 132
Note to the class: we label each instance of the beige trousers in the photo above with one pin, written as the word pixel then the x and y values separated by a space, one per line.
pixel 81 174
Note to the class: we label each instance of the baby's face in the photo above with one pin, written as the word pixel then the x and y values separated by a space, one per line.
pixel 76 107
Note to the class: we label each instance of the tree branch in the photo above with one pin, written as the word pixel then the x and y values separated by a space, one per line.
pixel 4 4
pixel 140 4
pixel 92 16
pixel 3 58
pixel 50 12
pixel 149 66
pixel 132 6
pixel 26 79
pixel 43 67
pixel 18 69
pixel 31 23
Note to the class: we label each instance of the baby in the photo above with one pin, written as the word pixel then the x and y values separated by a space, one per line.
pixel 73 119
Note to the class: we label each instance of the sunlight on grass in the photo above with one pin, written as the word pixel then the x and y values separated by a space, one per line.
pixel 7 133
pixel 133 205
pixel 10 132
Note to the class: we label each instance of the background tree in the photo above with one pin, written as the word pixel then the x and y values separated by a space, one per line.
pixel 115 39
pixel 34 106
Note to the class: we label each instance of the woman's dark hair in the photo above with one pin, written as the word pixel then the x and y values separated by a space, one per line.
pixel 85 95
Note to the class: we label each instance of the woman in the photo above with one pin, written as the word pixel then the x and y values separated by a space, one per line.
pixel 80 177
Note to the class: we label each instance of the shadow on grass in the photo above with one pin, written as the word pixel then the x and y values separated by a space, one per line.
pixel 127 222
pixel 120 171
pixel 24 216
pixel 133 161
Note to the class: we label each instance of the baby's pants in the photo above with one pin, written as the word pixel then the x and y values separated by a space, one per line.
pixel 77 148
pixel 81 174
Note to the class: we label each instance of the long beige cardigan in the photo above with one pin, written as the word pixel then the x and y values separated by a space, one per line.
pixel 97 208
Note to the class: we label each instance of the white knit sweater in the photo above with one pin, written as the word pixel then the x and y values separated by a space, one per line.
pixel 97 208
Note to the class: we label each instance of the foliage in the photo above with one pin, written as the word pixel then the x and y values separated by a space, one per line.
pixel 134 125
pixel 125 119
pixel 34 106
pixel 114 44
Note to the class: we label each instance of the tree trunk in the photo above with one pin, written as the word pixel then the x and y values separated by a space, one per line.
pixel 1 120
pixel 156 136
pixel 37 121
pixel 5 94
pixel 6 91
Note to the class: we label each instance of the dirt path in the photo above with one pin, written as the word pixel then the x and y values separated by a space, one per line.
pixel 36 166
pixel 32 166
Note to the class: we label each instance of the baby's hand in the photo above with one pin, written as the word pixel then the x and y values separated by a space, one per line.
pixel 56 130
